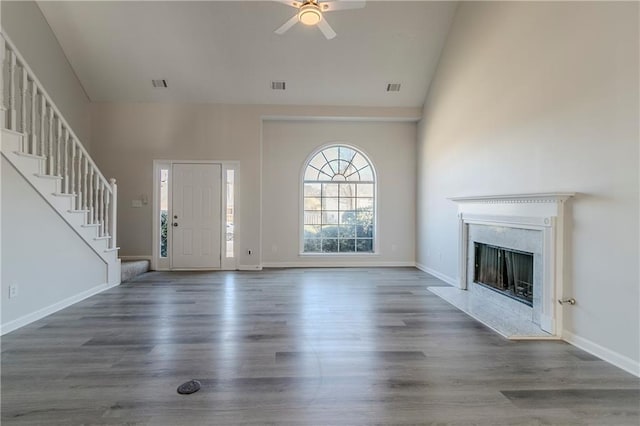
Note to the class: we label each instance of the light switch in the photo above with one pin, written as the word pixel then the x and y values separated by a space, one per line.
pixel 136 203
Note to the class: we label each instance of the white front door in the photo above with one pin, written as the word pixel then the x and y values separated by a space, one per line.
pixel 196 216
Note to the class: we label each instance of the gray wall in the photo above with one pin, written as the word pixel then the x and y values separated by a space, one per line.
pixel 129 136
pixel 390 146
pixel 543 97
pixel 41 254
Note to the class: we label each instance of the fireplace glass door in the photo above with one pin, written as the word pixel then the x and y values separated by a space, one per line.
pixel 506 271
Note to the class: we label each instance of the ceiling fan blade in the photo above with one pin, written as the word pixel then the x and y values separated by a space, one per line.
pixel 285 27
pixel 331 6
pixel 326 29
pixel 291 3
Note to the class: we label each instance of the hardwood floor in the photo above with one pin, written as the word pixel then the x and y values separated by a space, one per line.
pixel 300 347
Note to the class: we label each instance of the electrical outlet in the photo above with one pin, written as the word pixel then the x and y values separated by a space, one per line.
pixel 13 291
pixel 274 248
pixel 394 247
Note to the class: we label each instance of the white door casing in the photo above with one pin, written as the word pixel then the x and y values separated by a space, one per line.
pixel 196 216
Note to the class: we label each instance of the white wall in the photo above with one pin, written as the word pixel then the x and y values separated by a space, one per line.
pixel 41 254
pixel 541 97
pixel 25 25
pixel 127 137
pixel 391 148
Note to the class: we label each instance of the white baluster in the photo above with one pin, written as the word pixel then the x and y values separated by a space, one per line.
pixel 51 170
pixel 73 161
pixel 65 138
pixel 91 209
pixel 43 113
pixel 13 115
pixel 84 184
pixel 101 206
pixel 78 184
pixel 59 143
pixel 23 116
pixel 34 94
pixel 3 108
pixel 96 203
pixel 107 210
pixel 114 212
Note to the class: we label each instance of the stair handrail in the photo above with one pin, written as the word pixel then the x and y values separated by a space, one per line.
pixel 20 59
pixel 108 219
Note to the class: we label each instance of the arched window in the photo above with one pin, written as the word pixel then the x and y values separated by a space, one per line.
pixel 339 202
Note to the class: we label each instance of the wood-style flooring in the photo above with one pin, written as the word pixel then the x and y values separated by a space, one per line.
pixel 296 347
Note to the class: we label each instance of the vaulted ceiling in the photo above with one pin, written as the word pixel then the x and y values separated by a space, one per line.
pixel 227 52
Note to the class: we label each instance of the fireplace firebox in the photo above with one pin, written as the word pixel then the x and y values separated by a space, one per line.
pixel 506 271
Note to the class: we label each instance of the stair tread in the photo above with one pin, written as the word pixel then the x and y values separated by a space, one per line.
pixel 61 194
pixel 26 154
pixel 46 176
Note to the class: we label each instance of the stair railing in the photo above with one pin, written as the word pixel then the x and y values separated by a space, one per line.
pixel 27 108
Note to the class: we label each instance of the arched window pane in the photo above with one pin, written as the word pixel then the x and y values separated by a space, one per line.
pixel 339 212
pixel 354 177
pixel 331 153
pixel 310 174
pixel 366 174
pixel 359 161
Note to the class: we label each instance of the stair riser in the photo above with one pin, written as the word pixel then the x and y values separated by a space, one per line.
pixel 25 164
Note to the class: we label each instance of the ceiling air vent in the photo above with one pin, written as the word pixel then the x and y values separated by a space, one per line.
pixel 393 87
pixel 159 83
pixel 278 85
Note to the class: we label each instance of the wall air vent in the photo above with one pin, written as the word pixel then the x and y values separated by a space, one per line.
pixel 278 85
pixel 393 87
pixel 159 83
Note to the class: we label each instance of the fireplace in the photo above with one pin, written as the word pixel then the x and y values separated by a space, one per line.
pixel 511 261
pixel 506 271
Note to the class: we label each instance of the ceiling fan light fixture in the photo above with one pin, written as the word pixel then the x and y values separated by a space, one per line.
pixel 310 14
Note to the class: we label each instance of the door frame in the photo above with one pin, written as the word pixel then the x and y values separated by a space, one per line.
pixel 164 263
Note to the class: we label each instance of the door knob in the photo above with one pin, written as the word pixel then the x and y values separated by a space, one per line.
pixel 175 223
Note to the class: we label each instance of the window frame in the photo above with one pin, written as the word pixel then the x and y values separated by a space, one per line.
pixel 301 182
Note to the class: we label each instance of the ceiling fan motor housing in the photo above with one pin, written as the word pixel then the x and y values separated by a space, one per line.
pixel 310 14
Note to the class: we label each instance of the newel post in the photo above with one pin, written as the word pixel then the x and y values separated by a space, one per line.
pixel 114 211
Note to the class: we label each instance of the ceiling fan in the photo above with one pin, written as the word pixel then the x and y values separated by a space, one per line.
pixel 310 12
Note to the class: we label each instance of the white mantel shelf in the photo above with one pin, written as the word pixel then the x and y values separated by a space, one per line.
pixel 546 197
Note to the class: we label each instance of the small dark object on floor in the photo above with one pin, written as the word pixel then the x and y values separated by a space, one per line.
pixel 189 387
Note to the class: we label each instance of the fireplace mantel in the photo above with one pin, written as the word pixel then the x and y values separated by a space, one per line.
pixel 547 197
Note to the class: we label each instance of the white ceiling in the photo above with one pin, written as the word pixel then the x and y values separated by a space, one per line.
pixel 226 52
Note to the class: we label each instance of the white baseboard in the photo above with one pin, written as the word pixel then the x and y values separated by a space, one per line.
pixel 338 264
pixel 142 257
pixel 41 313
pixel 447 279
pixel 621 361
pixel 249 267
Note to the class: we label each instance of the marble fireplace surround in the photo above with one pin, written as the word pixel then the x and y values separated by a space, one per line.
pixel 530 222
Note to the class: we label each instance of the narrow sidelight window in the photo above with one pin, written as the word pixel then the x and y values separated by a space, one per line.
pixel 230 213
pixel 164 210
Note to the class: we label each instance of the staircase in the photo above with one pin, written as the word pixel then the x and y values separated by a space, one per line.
pixel 42 147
